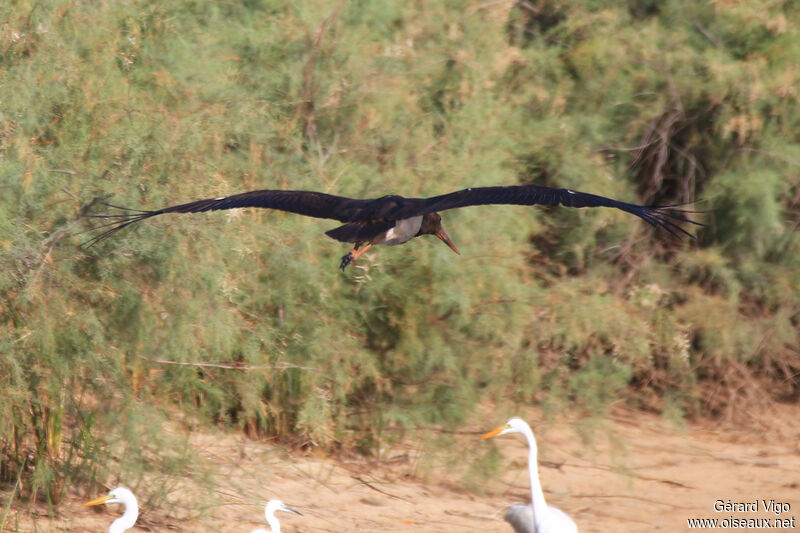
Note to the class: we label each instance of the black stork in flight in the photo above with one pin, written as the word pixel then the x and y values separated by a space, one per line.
pixel 394 219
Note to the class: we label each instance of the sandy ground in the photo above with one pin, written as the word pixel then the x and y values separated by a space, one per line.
pixel 640 473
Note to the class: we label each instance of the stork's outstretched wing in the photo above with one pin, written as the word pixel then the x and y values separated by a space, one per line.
pixel 666 217
pixel 364 216
pixel 309 203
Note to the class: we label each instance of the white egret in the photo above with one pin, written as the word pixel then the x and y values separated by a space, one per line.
pixel 269 512
pixel 537 517
pixel 126 498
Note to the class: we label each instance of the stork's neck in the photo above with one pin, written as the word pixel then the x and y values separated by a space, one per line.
pixel 127 520
pixel 537 496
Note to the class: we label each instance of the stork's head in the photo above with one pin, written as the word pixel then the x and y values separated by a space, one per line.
pixel 432 225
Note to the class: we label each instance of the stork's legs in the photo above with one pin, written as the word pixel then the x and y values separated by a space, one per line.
pixel 354 254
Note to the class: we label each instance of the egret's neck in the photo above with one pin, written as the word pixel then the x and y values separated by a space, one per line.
pixel 537 496
pixel 274 525
pixel 127 520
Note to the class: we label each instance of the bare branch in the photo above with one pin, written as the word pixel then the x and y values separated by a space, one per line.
pixel 231 366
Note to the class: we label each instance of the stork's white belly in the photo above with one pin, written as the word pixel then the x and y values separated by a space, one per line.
pixel 402 231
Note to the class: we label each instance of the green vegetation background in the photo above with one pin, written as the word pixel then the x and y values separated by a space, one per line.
pixel 147 104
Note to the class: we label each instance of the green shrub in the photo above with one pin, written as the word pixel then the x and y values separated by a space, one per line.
pixel 242 319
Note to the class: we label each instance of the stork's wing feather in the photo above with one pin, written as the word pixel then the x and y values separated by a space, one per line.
pixel 309 203
pixel 666 217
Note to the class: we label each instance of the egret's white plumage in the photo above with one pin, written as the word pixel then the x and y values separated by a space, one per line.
pixel 269 512
pixel 126 498
pixel 537 517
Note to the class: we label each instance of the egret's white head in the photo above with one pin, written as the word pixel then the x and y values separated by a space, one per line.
pixel 125 497
pixel 515 425
pixel 277 505
pixel 118 495
pixel 269 512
